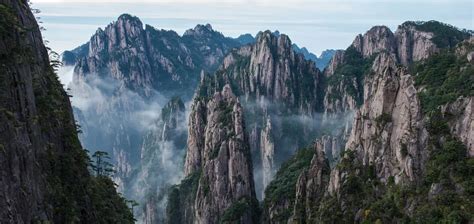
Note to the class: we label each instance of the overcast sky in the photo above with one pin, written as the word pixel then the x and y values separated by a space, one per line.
pixel 315 24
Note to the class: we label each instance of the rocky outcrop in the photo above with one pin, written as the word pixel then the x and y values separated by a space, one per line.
pixel 218 150
pixel 267 147
pixel 271 69
pixel 413 45
pixel 44 174
pixel 461 120
pixel 376 40
pixel 388 131
pixel 312 184
pixel 336 60
pixel 394 143
pixel 121 77
pixel 281 94
pixel 410 43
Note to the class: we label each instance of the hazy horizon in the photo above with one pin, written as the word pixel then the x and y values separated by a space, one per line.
pixel 316 25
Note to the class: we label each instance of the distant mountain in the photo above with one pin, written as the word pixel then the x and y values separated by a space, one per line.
pixel 145 59
pixel 245 39
pixel 321 62
pixel 125 78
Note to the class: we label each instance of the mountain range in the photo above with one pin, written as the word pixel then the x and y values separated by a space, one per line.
pixel 203 128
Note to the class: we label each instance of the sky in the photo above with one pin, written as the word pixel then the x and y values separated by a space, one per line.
pixel 315 24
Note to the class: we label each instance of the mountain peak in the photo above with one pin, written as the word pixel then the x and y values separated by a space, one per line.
pixel 129 18
pixel 200 30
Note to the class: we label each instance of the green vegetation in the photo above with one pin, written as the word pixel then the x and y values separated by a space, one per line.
pixel 225 114
pixel 383 120
pixel 237 210
pixel 181 198
pixel 283 187
pixel 351 74
pixel 445 35
pixel 8 20
pixel 174 104
pixel 71 193
pixel 445 77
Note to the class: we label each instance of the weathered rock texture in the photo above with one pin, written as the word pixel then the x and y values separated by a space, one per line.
pixel 389 142
pixel 279 89
pixel 147 59
pixel 219 151
pixel 122 75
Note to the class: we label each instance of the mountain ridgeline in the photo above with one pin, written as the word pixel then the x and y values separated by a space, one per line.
pixel 381 132
pixel 127 77
pixel 146 59
pixel 125 83
pixel 403 154
pixel 45 176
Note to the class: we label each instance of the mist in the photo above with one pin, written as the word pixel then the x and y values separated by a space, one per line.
pixel 147 151
pixel 290 131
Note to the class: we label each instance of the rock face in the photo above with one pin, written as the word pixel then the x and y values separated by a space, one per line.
pixel 462 125
pixel 219 151
pixel 267 153
pixel 389 130
pixel 271 69
pixel 413 45
pixel 123 76
pixel 377 39
pixel 147 59
pixel 281 94
pixel 393 139
pixel 44 176
pixel 312 183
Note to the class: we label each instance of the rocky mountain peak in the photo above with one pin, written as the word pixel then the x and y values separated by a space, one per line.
pixel 219 157
pixel 377 39
pixel 127 18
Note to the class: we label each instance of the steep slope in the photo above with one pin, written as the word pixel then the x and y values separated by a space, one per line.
pixel 218 165
pixel 408 151
pixel 123 77
pixel 147 59
pixel 281 94
pixel 45 175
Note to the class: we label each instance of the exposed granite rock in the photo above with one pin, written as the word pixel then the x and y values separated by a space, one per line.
pixel 413 45
pixel 271 69
pixel 267 150
pixel 376 40
pixel 461 121
pixel 312 184
pixel 336 60
pixel 388 131
pixel 147 59
pixel 279 89
pixel 218 149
